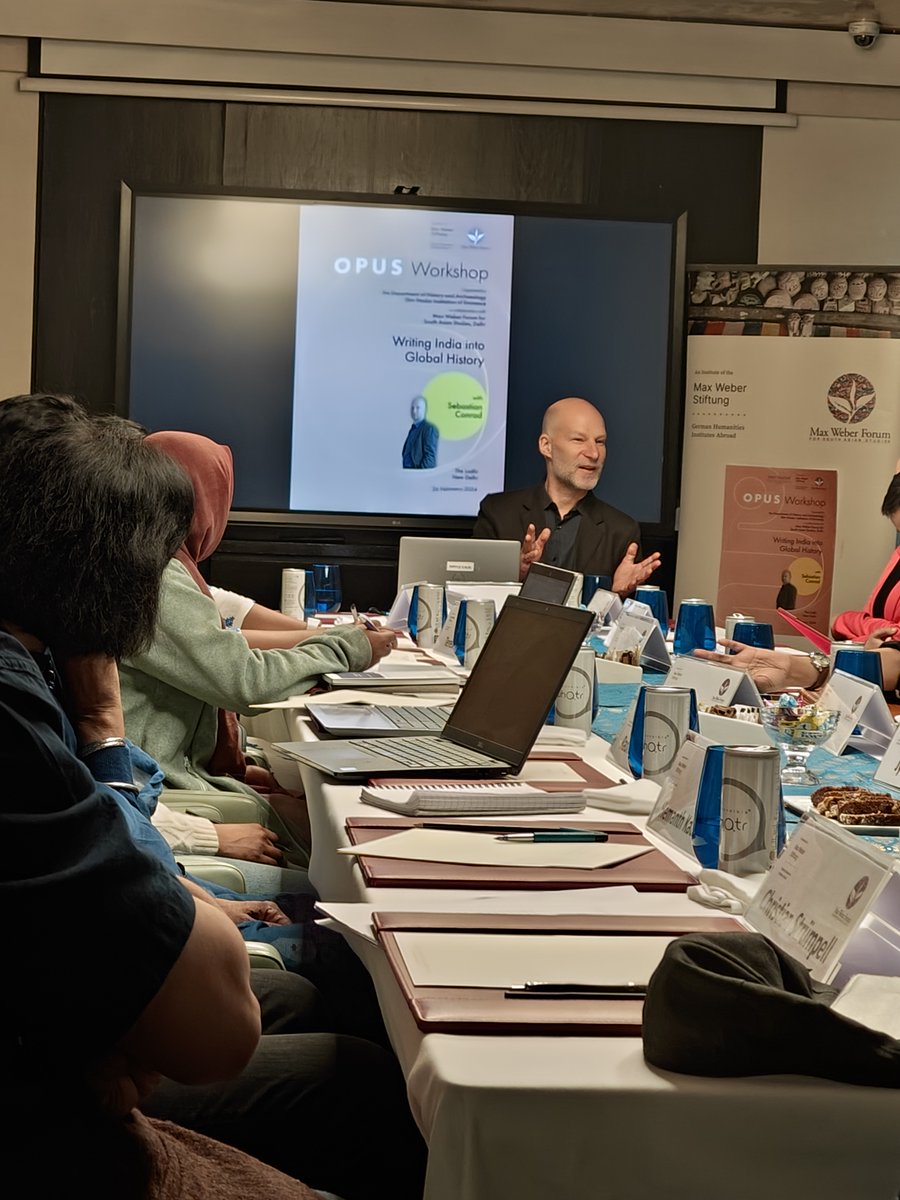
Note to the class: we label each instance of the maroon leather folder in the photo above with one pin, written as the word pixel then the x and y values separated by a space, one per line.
pixel 488 1010
pixel 651 872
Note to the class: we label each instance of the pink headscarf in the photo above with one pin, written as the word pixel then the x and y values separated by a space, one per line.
pixel 210 469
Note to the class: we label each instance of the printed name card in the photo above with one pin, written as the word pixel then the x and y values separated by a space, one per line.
pixel 607 605
pixel 654 651
pixel 817 893
pixel 673 814
pixel 861 704
pixel 713 683
pixel 888 772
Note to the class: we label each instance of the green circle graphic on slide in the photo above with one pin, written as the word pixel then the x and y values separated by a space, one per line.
pixel 457 404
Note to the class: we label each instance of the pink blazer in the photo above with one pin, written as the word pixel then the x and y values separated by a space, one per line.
pixel 856 626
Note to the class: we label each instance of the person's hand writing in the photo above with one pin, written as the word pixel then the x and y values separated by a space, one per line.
pixel 251 841
pixel 630 574
pixel 532 549
pixel 770 670
pixel 253 910
pixel 878 637
pixel 382 641
pixel 93 698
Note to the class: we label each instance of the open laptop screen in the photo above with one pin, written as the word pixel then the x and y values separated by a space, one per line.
pixel 547 583
pixel 517 677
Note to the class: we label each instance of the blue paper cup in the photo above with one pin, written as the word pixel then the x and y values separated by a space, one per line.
pixel 695 628
pixel 864 664
pixel 754 633
pixel 655 599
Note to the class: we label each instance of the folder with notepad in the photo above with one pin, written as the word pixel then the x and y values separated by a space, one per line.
pixel 496 799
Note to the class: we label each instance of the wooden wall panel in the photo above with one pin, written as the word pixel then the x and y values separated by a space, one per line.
pixel 89 144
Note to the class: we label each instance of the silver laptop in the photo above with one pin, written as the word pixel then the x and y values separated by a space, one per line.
pixel 468 560
pixel 378 720
pixel 496 719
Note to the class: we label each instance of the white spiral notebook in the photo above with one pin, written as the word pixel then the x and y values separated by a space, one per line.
pixel 446 800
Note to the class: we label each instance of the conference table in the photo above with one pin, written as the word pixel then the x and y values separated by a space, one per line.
pixel 586 1118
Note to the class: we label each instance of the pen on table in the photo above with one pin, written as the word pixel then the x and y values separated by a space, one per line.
pixel 576 991
pixel 555 835
pixel 492 827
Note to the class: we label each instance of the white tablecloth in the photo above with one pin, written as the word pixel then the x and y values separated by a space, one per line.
pixel 513 1118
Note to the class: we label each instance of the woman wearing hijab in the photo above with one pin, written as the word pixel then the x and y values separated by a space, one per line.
pixel 180 695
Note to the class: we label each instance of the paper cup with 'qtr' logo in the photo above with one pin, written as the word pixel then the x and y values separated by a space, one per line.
pixel 426 613
pixel 574 707
pixel 751 823
pixel 474 622
pixel 662 719
pixel 293 591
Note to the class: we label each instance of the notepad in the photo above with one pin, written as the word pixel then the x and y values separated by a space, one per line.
pixel 498 799
pixel 485 850
pixel 503 960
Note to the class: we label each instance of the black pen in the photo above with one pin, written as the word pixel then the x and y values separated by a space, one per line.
pixel 490 827
pixel 576 991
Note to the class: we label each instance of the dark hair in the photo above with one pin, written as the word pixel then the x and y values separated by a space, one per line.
pixel 891 501
pixel 37 413
pixel 89 517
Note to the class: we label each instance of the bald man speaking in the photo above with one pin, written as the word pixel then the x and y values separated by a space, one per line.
pixel 561 521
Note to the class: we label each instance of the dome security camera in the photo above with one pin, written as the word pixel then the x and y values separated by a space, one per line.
pixel 864 34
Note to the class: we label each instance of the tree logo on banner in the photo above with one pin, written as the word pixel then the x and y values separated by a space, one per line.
pixel 851 398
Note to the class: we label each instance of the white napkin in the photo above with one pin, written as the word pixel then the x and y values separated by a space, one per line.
pixel 561 735
pixel 636 797
pixel 719 889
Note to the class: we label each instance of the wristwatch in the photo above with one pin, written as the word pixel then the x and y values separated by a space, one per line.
pixel 822 663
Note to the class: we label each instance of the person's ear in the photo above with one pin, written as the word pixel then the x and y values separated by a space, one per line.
pixel 544 446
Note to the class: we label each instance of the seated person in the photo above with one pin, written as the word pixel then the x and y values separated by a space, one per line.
pixel 775 670
pixel 577 530
pixel 264 628
pixel 172 994
pixel 883 606
pixel 180 694
pixel 248 842
pixel 175 998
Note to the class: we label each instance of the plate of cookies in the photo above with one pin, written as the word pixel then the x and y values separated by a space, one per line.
pixel 857 809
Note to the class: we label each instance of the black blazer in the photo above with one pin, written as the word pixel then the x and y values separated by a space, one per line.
pixel 603 537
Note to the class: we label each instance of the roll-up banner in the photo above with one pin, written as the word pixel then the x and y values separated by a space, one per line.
pixel 791 436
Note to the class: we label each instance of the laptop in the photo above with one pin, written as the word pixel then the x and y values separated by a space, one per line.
pixel 471 560
pixel 496 719
pixel 555 585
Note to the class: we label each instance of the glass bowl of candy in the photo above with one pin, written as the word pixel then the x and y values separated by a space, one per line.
pixel 798 723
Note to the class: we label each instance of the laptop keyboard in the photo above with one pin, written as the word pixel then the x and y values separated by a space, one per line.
pixel 407 716
pixel 420 752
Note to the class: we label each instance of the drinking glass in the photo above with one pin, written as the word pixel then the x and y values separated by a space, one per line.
pixel 798 730
pixel 309 594
pixel 327 583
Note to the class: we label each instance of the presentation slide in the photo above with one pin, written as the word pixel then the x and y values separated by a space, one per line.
pixel 401 359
